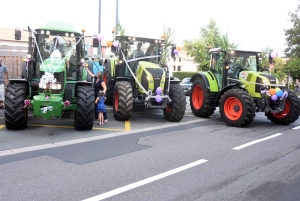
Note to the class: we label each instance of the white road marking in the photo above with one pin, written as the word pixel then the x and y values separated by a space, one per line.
pixel 296 128
pixel 145 181
pixel 88 139
pixel 256 141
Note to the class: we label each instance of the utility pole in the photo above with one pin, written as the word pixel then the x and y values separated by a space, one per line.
pixel 117 12
pixel 99 29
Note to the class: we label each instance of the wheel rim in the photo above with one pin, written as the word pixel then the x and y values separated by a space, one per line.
pixel 233 108
pixel 116 103
pixel 286 110
pixel 168 108
pixel 197 96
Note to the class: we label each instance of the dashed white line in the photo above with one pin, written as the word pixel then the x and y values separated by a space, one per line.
pixel 295 128
pixel 256 141
pixel 145 181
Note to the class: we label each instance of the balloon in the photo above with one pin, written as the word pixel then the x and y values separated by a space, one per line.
pixel 178 48
pixel 279 93
pixel 274 97
pixel 272 91
pixel 100 36
pixel 109 43
pixel 274 54
pixel 158 90
pixel 162 36
pixel 115 43
pixel 175 51
pixel 158 98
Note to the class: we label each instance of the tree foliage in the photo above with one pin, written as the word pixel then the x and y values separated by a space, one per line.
pixel 169 38
pixel 293 65
pixel 292 35
pixel 210 37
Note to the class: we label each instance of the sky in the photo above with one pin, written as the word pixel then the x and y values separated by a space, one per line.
pixel 254 24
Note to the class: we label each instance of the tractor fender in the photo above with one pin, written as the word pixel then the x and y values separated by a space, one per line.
pixel 224 90
pixel 21 81
pixel 82 83
pixel 202 75
pixel 123 79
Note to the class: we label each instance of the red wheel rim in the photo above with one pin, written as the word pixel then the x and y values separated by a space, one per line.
pixel 233 108
pixel 116 103
pixel 286 110
pixel 197 96
pixel 168 108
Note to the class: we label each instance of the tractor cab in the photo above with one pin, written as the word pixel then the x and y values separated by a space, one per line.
pixel 230 65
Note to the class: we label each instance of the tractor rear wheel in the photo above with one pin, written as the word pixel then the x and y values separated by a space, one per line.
pixel 290 113
pixel 85 112
pixel 200 99
pixel 237 107
pixel 15 113
pixel 123 101
pixel 175 110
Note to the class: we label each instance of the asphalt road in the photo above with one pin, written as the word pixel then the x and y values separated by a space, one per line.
pixel 151 159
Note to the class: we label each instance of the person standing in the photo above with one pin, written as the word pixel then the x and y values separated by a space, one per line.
pixel 100 106
pixel 3 80
pixel 99 84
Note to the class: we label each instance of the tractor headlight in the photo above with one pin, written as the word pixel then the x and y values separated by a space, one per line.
pixel 148 77
pixel 42 86
pixel 265 81
pixel 29 56
pixel 55 86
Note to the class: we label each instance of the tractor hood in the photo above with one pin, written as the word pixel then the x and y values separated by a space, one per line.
pixel 259 78
pixel 54 65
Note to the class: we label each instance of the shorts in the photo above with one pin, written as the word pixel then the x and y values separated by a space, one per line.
pixel 2 92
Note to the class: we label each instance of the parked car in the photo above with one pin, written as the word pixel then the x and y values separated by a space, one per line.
pixel 186 85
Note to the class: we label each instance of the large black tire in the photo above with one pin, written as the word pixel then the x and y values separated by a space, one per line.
pixel 123 101
pixel 237 107
pixel 175 110
pixel 200 97
pixel 290 113
pixel 15 114
pixel 85 113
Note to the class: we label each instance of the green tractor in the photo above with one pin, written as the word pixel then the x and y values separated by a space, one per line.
pixel 53 79
pixel 240 87
pixel 135 78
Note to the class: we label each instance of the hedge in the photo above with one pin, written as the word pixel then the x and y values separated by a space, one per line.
pixel 183 74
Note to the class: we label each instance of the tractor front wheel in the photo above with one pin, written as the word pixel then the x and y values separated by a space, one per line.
pixel 290 112
pixel 237 108
pixel 123 101
pixel 200 99
pixel 175 110
pixel 15 113
pixel 84 114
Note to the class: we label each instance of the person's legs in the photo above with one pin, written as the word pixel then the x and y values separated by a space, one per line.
pixel 99 115
pixel 105 117
pixel 1 95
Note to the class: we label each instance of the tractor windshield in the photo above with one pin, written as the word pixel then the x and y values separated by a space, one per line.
pixel 246 60
pixel 140 49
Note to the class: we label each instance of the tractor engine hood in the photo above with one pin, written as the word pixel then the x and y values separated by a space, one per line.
pixel 55 65
pixel 259 78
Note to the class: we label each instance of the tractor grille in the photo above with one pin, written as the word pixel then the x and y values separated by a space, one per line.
pixel 59 78
pixel 271 78
pixel 156 75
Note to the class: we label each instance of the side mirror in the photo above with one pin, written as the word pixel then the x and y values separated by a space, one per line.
pixel 113 49
pixel 95 42
pixel 17 34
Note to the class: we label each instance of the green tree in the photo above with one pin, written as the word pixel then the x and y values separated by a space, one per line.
pixel 279 69
pixel 292 35
pixel 293 65
pixel 210 37
pixel 169 38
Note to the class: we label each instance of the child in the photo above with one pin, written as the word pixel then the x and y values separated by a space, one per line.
pixel 100 106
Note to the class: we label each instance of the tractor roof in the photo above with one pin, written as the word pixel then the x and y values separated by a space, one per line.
pixel 236 50
pixel 151 40
pixel 60 27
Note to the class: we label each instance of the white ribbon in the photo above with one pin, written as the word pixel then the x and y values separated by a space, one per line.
pixel 48 78
pixel 46 108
